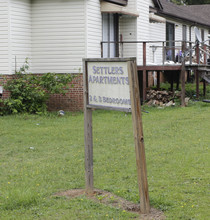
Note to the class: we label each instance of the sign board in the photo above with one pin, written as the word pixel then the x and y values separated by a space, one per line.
pixel 113 84
pixel 108 85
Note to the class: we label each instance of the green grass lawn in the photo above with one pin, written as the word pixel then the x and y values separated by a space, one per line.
pixel 42 155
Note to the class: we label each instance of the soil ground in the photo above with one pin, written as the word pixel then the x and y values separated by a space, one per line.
pixel 108 198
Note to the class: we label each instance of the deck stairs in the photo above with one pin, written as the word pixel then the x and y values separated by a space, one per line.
pixel 205 73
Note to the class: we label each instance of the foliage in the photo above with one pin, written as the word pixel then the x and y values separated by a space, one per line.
pixel 42 155
pixel 29 93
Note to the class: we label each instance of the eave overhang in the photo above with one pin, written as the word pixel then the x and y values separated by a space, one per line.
pixel 107 7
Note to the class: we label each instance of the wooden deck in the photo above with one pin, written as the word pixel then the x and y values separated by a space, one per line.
pixel 192 50
pixel 178 68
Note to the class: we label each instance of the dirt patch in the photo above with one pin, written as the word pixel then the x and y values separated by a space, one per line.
pixel 108 198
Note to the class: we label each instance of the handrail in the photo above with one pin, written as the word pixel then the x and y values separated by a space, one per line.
pixel 187 48
pixel 145 41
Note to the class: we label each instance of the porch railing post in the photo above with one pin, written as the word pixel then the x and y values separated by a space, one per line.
pixel 204 56
pixel 121 45
pixel 190 44
pixel 163 52
pixel 197 54
pixel 101 49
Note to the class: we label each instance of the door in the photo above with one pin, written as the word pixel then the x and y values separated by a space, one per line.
pixel 110 35
pixel 170 37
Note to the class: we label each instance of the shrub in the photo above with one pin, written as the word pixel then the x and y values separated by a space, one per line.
pixel 29 93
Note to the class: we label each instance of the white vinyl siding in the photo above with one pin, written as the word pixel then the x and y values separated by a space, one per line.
pixel 20 32
pixel 58 35
pixel 157 33
pixel 128 32
pixel 142 28
pixel 4 37
pixel 151 3
pixel 94 29
pixel 132 4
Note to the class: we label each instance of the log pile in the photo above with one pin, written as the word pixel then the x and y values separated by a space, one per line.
pixel 162 98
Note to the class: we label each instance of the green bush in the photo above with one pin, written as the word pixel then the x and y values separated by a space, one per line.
pixel 29 93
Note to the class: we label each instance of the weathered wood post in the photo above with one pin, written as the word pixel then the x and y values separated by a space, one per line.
pixel 163 53
pixel 123 96
pixel 88 138
pixel 144 95
pixel 197 82
pixel 102 50
pixel 158 80
pixel 204 54
pixel 139 140
pixel 183 75
pixel 197 71
pixel 204 87
pixel 183 83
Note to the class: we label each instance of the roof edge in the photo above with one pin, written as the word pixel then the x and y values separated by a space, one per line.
pixel 181 18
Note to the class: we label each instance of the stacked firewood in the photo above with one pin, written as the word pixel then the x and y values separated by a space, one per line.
pixel 161 98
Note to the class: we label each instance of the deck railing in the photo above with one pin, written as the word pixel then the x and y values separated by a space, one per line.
pixel 158 52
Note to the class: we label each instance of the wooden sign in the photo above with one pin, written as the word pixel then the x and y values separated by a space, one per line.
pixel 108 85
pixel 113 84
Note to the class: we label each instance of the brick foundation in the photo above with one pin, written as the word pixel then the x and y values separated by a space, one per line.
pixel 71 101
pixel 3 80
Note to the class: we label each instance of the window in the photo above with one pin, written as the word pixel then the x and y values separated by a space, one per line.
pixel 184 33
pixel 170 37
pixel 110 35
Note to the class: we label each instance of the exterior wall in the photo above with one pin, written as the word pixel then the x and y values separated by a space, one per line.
pixel 93 29
pixel 157 33
pixel 72 100
pixel 151 3
pixel 128 31
pixel 4 37
pixel 58 35
pixel 178 30
pixel 127 26
pixel 20 32
pixel 142 28
pixel 132 4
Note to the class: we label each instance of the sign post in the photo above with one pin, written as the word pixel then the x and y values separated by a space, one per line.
pixel 112 84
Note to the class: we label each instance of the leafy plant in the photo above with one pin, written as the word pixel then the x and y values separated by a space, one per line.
pixel 29 93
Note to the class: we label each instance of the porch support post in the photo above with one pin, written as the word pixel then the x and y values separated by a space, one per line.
pixel 183 83
pixel 204 87
pixel 204 57
pixel 172 80
pixel 158 80
pixel 177 80
pixel 197 83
